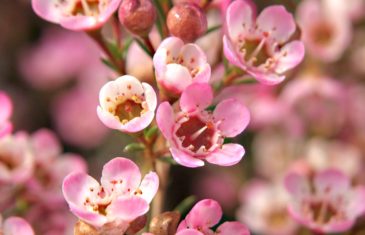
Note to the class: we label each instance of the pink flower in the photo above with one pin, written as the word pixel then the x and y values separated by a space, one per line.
pixel 5 113
pixel 261 45
pixel 178 65
pixel 120 198
pixel 325 202
pixel 265 213
pixel 326 30
pixel 204 215
pixel 76 14
pixel 15 225
pixel 195 134
pixel 16 159
pixel 126 104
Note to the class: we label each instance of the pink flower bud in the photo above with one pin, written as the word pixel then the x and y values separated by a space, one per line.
pixel 138 16
pixel 186 21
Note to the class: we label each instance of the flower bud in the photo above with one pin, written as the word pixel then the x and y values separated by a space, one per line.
pixel 186 21
pixel 165 223
pixel 138 16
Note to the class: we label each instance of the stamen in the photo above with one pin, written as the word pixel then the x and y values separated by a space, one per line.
pixel 85 7
pixel 252 57
pixel 198 133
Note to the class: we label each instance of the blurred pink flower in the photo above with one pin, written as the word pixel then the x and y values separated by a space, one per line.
pixel 326 30
pixel 263 212
pixel 126 104
pixel 195 134
pixel 261 46
pixel 76 14
pixel 120 198
pixel 15 225
pixel 6 111
pixel 177 65
pixel 57 58
pixel 325 202
pixel 204 215
pixel 16 159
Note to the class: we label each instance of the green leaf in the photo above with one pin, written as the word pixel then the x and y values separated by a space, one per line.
pixel 126 46
pixel 150 132
pixel 167 159
pixel 109 64
pixel 134 147
pixel 212 29
pixel 115 50
pixel 245 81
pixel 143 46
pixel 185 205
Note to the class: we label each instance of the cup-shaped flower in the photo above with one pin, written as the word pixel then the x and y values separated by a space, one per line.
pixel 120 198
pixel 203 216
pixel 16 159
pixel 261 45
pixel 76 14
pixel 126 104
pixel 196 134
pixel 326 202
pixel 177 65
pixel 5 113
pixel 15 225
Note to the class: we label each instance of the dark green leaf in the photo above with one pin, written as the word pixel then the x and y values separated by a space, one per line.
pixel 168 159
pixel 134 147
pixel 150 132
pixel 212 29
pixel 185 205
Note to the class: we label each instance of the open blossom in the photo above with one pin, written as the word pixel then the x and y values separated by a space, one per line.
pixel 204 215
pixel 16 159
pixel 126 104
pixel 15 225
pixel 196 134
pixel 178 65
pixel 325 202
pixel 264 213
pixel 326 29
pixel 120 198
pixel 261 45
pixel 76 14
pixel 5 113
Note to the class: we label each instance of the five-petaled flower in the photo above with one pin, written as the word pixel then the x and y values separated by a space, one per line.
pixel 177 65
pixel 204 215
pixel 326 202
pixel 76 14
pixel 120 198
pixel 261 45
pixel 126 104
pixel 196 134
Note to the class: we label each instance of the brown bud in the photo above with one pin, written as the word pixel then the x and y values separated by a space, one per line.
pixel 137 16
pixel 165 223
pixel 82 228
pixel 187 21
pixel 137 225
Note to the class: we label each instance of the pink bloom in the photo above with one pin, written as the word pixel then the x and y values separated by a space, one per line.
pixel 265 213
pixel 195 134
pixel 178 65
pixel 126 104
pixel 120 198
pixel 16 159
pixel 76 14
pixel 260 45
pixel 204 215
pixel 5 113
pixel 326 31
pixel 325 202
pixel 15 225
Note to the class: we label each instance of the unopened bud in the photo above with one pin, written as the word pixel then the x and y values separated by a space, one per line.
pixel 165 223
pixel 137 225
pixel 137 16
pixel 187 21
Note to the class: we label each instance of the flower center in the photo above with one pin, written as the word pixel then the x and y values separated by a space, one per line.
pixel 196 134
pixel 8 161
pixel 322 34
pixel 82 7
pixel 254 51
pixel 128 109
pixel 190 64
pixel 277 218
pixel 323 212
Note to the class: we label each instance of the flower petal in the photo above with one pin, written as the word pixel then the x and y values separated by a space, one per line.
pixel 290 56
pixel 127 208
pixel 150 96
pixel 169 48
pixel 331 182
pixel 165 119
pixel 266 78
pixel 6 107
pixel 276 21
pixel 176 78
pixel 197 96
pixel 233 117
pixel 297 185
pixel 138 123
pixel 230 53
pixel 122 173
pixel 228 155
pixel 185 159
pixel 149 186
pixel 46 10
pixel 189 232
pixel 205 214
pixel 236 228
pixel 17 225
